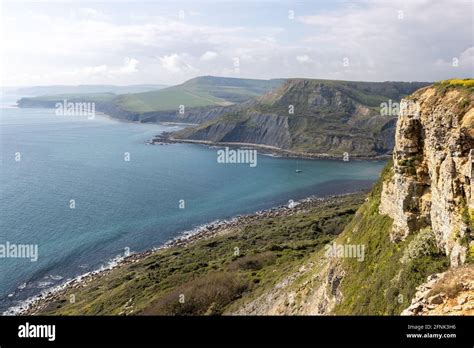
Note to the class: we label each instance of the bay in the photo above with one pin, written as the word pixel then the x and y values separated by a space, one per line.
pixel 124 205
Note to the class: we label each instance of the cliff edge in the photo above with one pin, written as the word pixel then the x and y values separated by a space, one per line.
pixel 415 228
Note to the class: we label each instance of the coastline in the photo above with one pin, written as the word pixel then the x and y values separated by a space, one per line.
pixel 36 304
pixel 166 138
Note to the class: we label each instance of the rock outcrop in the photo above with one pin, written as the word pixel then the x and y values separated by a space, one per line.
pixel 432 183
pixel 313 116
pixel 447 293
pixel 312 290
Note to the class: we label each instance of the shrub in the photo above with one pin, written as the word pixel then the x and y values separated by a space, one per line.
pixel 207 295
pixel 423 244
pixel 253 262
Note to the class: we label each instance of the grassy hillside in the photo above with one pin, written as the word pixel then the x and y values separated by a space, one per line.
pixel 206 91
pixel 209 273
pixel 200 91
pixel 386 281
pixel 208 276
pixel 382 282
pixel 167 99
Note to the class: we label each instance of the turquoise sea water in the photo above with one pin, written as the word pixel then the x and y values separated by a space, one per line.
pixel 120 204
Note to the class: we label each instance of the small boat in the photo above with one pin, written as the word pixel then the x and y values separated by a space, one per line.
pixel 298 170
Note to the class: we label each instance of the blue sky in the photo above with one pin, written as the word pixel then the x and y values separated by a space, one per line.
pixel 130 42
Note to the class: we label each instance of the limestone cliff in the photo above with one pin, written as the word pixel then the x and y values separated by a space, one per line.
pixel 416 225
pixel 432 181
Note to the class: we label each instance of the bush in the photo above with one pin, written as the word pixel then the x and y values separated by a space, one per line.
pixel 207 295
pixel 253 262
pixel 423 244
pixel 459 82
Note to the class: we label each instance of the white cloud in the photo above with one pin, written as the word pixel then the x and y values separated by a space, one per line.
pixel 467 57
pixel 130 66
pixel 92 44
pixel 381 46
pixel 93 14
pixel 209 55
pixel 303 59
pixel 94 70
pixel 175 63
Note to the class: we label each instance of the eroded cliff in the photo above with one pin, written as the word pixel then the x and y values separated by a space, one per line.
pixel 313 116
pixel 415 226
pixel 431 185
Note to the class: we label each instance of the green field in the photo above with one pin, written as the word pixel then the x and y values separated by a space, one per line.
pixel 197 92
pixel 200 91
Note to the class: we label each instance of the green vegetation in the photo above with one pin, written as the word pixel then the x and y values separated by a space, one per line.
pixel 211 274
pixel 198 92
pixel 166 99
pixel 383 284
pixel 446 85
pixel 218 274
pixel 50 101
pixel 468 239
pixel 459 82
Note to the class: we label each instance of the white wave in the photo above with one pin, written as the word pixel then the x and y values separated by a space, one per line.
pixel 25 304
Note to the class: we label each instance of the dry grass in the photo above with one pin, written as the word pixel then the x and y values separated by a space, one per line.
pixel 203 296
pixel 454 281
pixel 253 262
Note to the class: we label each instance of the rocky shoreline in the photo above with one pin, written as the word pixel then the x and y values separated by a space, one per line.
pixel 40 302
pixel 166 138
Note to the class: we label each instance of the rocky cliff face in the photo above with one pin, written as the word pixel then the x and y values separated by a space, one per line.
pixel 254 129
pixel 447 293
pixel 416 226
pixel 313 116
pixel 194 115
pixel 432 182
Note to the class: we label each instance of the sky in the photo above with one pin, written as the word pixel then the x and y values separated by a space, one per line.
pixel 168 42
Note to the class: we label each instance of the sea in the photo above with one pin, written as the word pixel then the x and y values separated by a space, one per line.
pixel 84 191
